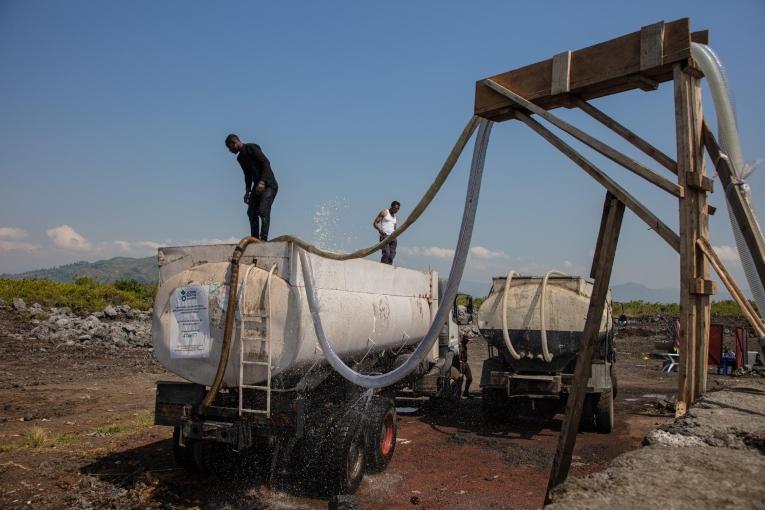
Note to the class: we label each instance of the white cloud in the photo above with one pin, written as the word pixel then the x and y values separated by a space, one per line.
pixel 482 252
pixel 19 246
pixel 67 238
pixel 727 253
pixel 479 252
pixel 13 233
pixel 439 253
pixel 130 246
pixel 568 264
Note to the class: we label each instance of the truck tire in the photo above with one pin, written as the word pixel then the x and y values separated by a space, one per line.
pixel 346 456
pixel 381 433
pixel 588 421
pixel 494 404
pixel 604 413
pixel 184 455
pixel 211 457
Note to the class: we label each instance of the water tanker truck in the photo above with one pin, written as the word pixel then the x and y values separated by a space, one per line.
pixel 533 326
pixel 276 394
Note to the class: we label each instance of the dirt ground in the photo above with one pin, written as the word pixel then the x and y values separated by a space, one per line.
pixel 76 432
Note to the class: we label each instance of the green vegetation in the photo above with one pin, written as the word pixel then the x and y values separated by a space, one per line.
pixel 84 295
pixel 108 430
pixel 640 308
pixel 35 437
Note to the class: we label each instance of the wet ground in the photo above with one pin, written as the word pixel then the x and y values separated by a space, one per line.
pixel 76 432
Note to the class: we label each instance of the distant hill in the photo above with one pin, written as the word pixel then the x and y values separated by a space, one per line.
pixel 623 292
pixel 105 271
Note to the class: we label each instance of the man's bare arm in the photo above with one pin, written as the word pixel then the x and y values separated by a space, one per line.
pixel 377 224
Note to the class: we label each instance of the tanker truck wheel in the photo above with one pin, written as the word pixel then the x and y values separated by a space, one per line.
pixel 346 458
pixel 494 404
pixel 381 434
pixel 588 422
pixel 604 413
pixel 184 455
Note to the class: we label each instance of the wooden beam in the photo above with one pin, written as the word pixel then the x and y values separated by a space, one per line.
pixel 561 73
pixel 606 68
pixel 594 143
pixel 659 156
pixel 695 308
pixel 635 206
pixel 601 233
pixel 605 252
pixel 738 296
pixel 747 222
pixel 651 46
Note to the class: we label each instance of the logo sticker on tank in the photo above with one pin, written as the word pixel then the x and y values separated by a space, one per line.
pixel 189 323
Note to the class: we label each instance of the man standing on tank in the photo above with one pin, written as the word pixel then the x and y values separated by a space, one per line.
pixel 385 224
pixel 260 186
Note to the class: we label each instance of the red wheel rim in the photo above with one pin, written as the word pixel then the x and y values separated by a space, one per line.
pixel 386 445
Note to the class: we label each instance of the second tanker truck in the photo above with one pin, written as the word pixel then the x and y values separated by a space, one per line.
pixel 533 326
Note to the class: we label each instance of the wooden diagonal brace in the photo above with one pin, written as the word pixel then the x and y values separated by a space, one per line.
pixel 660 157
pixel 605 252
pixel 635 206
pixel 609 152
pixel 744 216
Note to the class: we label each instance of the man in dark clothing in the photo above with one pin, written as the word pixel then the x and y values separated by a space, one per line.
pixel 260 186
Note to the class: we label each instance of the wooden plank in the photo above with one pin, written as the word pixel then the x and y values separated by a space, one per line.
pixel 606 250
pixel 601 233
pixel 560 73
pixel 595 71
pixel 594 143
pixel 695 308
pixel 738 296
pixel 601 177
pixel 625 133
pixel 651 46
pixel 746 220
pixel 703 287
pixel 701 37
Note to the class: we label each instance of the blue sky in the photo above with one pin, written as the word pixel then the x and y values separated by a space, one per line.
pixel 112 120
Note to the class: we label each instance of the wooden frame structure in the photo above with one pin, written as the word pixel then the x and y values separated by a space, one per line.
pixel 658 53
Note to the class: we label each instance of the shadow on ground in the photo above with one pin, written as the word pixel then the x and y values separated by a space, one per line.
pixel 148 476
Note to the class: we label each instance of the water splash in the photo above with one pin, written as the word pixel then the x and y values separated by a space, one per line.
pixel 329 220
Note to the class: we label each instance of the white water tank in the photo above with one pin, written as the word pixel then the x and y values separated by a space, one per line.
pixel 366 307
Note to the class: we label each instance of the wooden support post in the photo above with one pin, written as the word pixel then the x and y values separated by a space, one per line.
pixel 695 308
pixel 605 251
pixel 612 186
pixel 628 135
pixel 609 152
pixel 746 220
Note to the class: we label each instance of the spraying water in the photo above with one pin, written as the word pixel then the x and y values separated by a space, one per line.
pixel 328 221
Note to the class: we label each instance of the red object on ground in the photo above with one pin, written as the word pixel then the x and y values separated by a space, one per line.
pixel 715 352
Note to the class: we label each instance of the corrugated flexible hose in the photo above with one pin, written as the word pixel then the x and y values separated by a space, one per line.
pixel 452 285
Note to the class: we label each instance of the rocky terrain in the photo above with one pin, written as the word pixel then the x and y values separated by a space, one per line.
pixel 713 457
pixel 115 327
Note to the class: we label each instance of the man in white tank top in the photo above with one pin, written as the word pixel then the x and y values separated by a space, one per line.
pixel 385 224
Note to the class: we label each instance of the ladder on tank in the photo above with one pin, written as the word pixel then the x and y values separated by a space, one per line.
pixel 255 329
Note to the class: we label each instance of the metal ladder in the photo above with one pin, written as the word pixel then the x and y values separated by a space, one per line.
pixel 259 334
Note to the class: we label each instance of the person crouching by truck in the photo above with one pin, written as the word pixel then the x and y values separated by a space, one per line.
pixel 385 224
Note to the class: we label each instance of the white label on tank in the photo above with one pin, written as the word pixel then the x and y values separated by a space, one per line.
pixel 190 323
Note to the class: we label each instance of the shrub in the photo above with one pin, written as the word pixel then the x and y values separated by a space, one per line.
pixel 83 296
